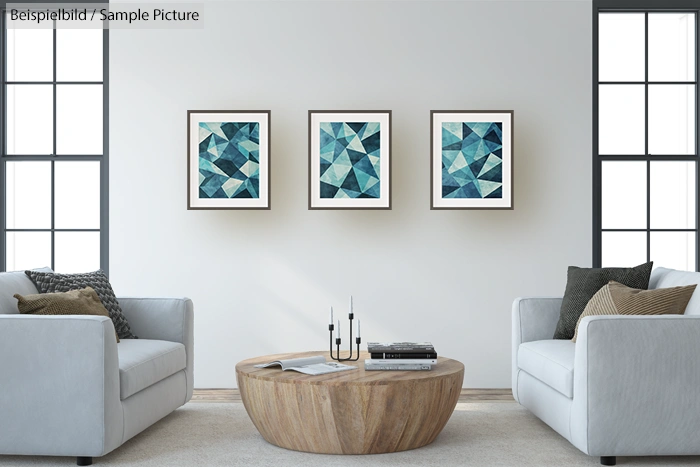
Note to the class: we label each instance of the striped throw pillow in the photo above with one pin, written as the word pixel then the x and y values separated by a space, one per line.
pixel 617 299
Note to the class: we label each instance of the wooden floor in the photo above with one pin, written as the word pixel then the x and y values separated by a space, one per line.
pixel 468 395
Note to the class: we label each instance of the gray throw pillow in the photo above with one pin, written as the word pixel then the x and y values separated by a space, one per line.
pixel 53 282
pixel 583 283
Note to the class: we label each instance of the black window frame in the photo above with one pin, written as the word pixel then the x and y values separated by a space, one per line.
pixel 643 6
pixel 103 158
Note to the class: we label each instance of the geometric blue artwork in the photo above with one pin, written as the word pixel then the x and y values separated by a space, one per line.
pixel 350 160
pixel 472 160
pixel 229 160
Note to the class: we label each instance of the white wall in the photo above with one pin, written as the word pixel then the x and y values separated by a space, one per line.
pixel 262 281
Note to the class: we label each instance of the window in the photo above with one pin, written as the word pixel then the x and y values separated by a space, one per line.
pixel 54 149
pixel 645 133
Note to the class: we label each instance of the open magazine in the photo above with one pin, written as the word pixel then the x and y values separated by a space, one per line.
pixel 309 365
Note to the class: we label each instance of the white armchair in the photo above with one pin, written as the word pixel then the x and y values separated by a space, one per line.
pixel 629 385
pixel 68 389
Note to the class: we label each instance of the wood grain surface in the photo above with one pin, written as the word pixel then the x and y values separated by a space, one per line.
pixel 351 412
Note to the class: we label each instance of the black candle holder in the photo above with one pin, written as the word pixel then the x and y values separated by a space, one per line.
pixel 331 328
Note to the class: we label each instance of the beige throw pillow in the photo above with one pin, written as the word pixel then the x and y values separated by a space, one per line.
pixel 76 302
pixel 617 299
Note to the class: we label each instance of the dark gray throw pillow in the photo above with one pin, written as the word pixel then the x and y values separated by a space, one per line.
pixel 583 283
pixel 48 282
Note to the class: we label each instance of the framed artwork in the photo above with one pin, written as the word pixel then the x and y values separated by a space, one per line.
pixel 471 162
pixel 228 159
pixel 350 159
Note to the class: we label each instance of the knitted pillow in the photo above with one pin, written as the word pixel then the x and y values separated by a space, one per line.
pixel 617 299
pixel 47 282
pixel 76 302
pixel 583 283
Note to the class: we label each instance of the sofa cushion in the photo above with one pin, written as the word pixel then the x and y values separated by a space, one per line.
pixel 617 299
pixel 53 282
pixel 583 283
pixel 12 283
pixel 144 362
pixel 76 302
pixel 663 277
pixel 550 361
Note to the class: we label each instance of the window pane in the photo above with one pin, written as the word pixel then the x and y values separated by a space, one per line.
pixel 28 195
pixel 30 119
pixel 621 47
pixel 79 54
pixel 621 119
pixel 675 250
pixel 624 195
pixel 672 195
pixel 624 249
pixel 29 54
pixel 671 119
pixel 28 250
pixel 77 195
pixel 77 252
pixel 672 47
pixel 79 119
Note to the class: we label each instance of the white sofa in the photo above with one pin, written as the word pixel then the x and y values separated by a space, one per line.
pixel 629 386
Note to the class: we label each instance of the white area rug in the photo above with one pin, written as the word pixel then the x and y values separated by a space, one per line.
pixel 221 434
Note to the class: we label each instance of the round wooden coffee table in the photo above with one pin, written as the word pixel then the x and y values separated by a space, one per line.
pixel 351 412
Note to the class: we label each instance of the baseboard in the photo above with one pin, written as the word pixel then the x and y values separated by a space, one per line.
pixel 467 395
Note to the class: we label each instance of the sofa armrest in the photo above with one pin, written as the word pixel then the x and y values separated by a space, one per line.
pixel 533 319
pixel 59 385
pixel 168 319
pixel 636 385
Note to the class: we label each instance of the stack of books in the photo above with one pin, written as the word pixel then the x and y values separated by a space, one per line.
pixel 401 356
